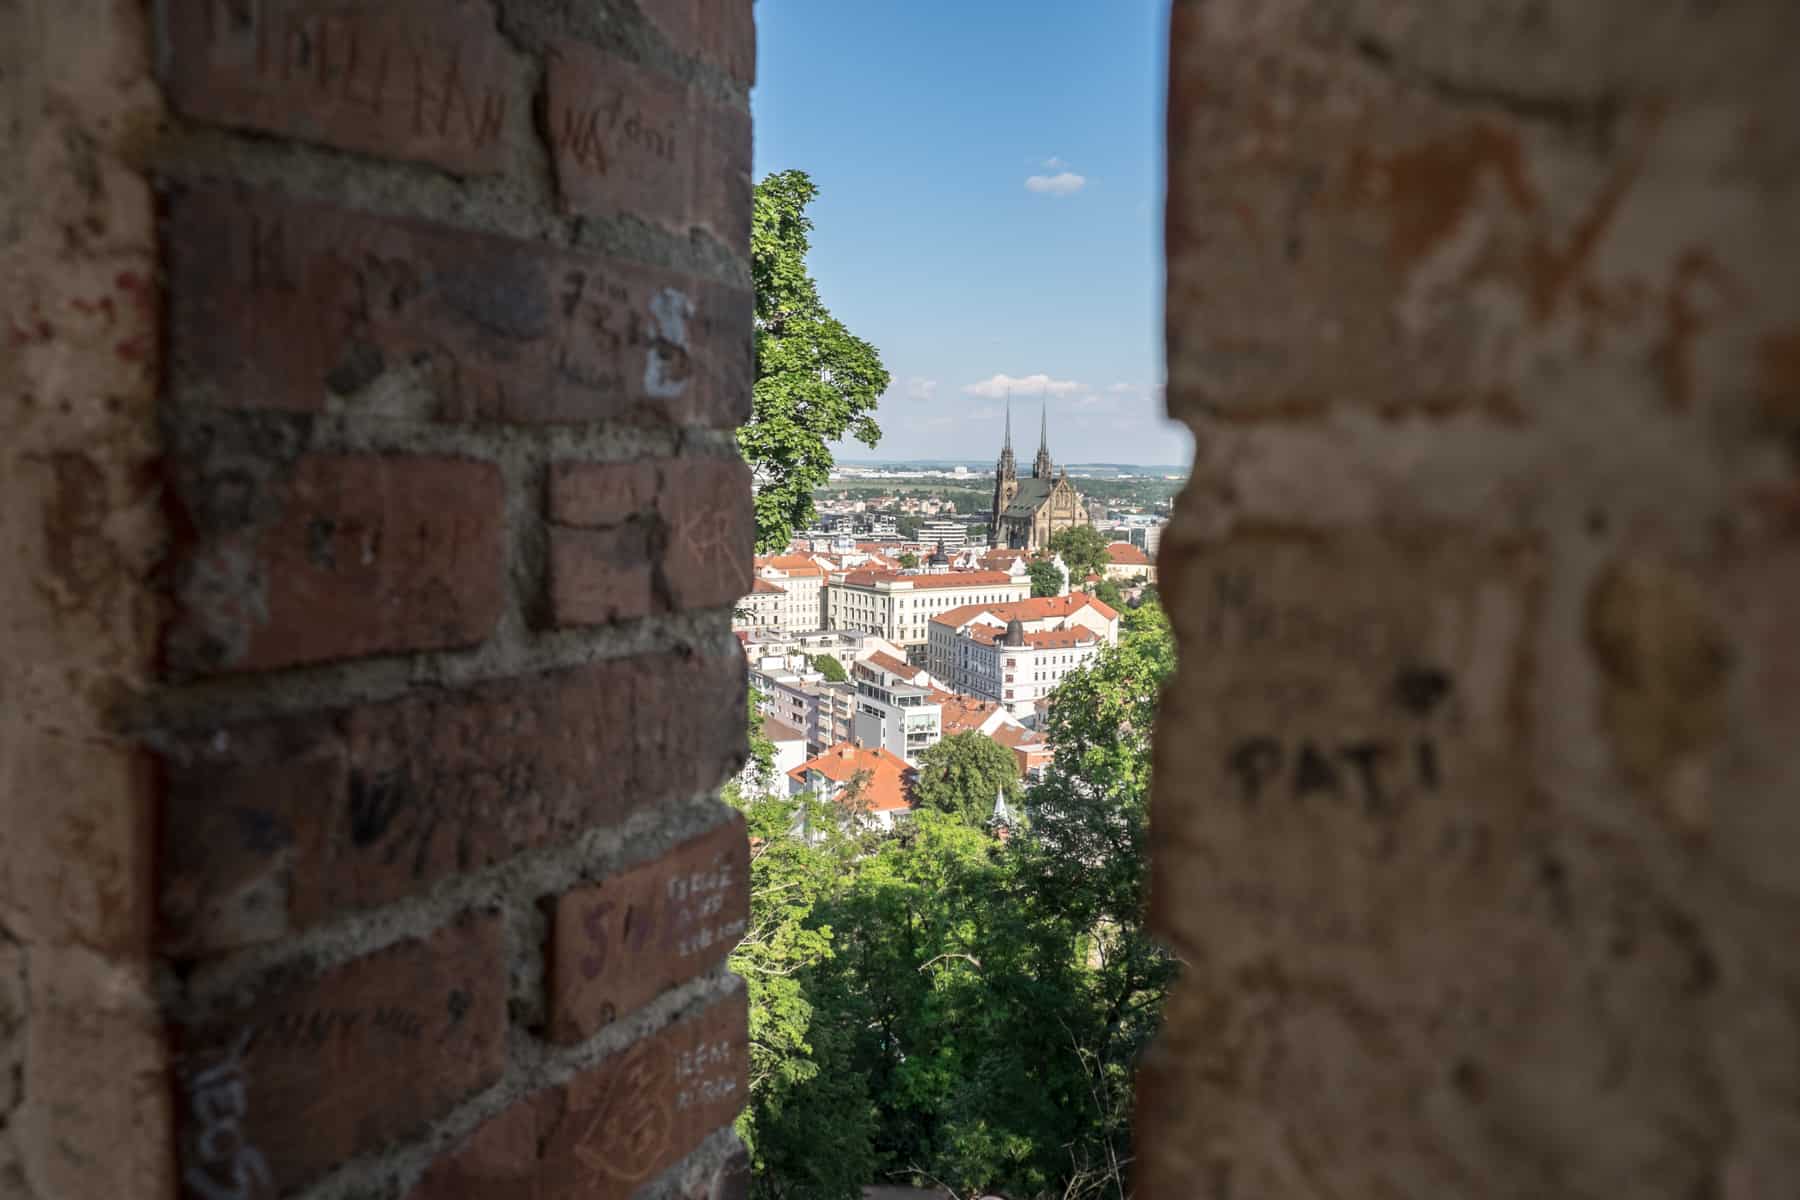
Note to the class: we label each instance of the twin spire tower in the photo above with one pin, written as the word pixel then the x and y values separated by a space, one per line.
pixel 1041 466
pixel 1027 511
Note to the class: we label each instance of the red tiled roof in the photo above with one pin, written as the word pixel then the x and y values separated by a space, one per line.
pixel 955 579
pixel 763 588
pixel 1039 608
pixel 792 564
pixel 887 662
pixel 1124 554
pixel 1017 737
pixel 889 776
pixel 1050 639
pixel 961 714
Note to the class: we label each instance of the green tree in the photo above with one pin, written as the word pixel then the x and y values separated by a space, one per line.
pixel 961 775
pixel 829 667
pixel 909 560
pixel 816 382
pixel 1046 580
pixel 909 524
pixel 1083 550
pixel 1107 592
pixel 1083 859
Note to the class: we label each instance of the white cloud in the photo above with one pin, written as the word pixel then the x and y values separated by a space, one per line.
pixel 1054 163
pixel 1062 184
pixel 1119 389
pixel 1039 384
pixel 921 389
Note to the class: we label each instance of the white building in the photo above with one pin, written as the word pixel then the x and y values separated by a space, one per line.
pixel 1016 654
pixel 948 534
pixel 900 607
pixel 802 584
pixel 896 709
pixel 762 608
pixel 790 752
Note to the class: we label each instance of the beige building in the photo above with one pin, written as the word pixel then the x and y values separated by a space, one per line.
pixel 900 607
pixel 802 582
pixel 1125 561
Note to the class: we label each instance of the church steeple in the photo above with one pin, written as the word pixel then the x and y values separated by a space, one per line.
pixel 1041 467
pixel 1006 469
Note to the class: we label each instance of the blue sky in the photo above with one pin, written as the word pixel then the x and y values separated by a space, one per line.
pixel 990 209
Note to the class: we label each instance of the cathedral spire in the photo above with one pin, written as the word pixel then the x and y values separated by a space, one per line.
pixel 1042 468
pixel 1009 419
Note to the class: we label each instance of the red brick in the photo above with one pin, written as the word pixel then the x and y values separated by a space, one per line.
pixel 629 141
pixel 720 32
pixel 315 1072
pixel 602 1134
pixel 339 558
pixel 269 827
pixel 277 304
pixel 616 945
pixel 407 79
pixel 631 539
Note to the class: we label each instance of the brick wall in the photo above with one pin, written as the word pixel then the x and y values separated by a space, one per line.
pixel 382 559
pixel 1475 799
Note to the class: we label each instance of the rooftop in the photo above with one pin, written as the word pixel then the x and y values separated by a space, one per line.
pixel 1125 554
pixel 779 731
pixel 955 579
pixel 1038 608
pixel 1049 639
pixel 890 778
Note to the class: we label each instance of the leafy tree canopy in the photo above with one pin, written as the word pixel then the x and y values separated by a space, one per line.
pixel 829 667
pixel 816 382
pixel 1107 592
pixel 909 560
pixel 1083 550
pixel 962 774
pixel 1046 580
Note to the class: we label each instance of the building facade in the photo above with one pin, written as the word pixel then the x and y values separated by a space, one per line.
pixel 802 583
pixel 900 607
pixel 949 650
pixel 1028 512
pixel 1015 655
pixel 896 709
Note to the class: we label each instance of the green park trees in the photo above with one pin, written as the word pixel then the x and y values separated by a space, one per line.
pixel 1046 580
pixel 815 381
pixel 1083 550
pixel 941 1003
pixel 963 774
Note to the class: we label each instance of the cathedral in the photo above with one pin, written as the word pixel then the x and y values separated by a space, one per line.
pixel 1028 511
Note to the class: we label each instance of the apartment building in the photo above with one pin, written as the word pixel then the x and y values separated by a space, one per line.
pixel 900 607
pixel 802 583
pixel 1016 654
pixel 896 707
pixel 948 648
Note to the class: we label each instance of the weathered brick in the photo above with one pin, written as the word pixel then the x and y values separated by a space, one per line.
pixel 630 141
pixel 279 304
pixel 408 79
pixel 602 1134
pixel 318 1071
pixel 617 944
pixel 631 539
pixel 272 826
pixel 720 32
pixel 338 557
